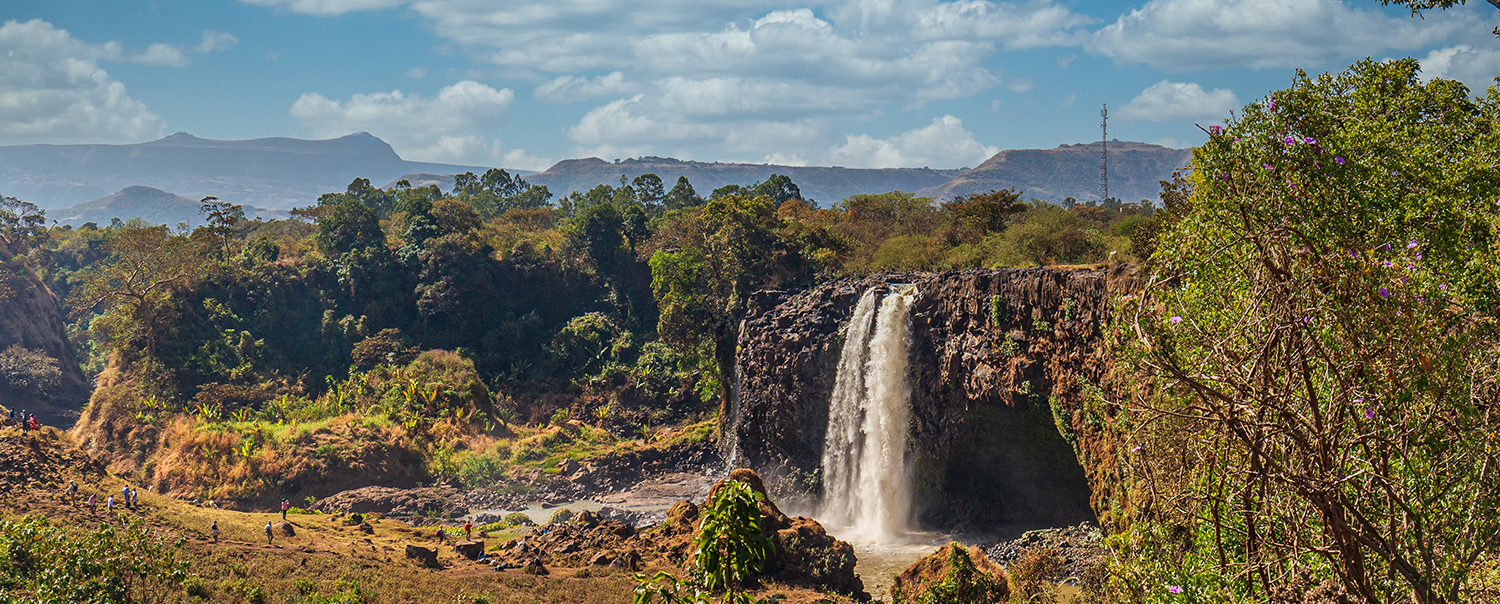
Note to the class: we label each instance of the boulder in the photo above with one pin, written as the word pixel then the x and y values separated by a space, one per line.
pixel 469 549
pixel 285 528
pixel 568 467
pixel 630 560
pixel 428 557
pixel 601 559
pixel 364 527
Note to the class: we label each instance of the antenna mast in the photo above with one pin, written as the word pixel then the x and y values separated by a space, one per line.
pixel 1104 154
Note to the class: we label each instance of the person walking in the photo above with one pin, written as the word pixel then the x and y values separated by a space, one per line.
pixel 33 422
pixel 109 506
pixel 285 505
pixel 125 496
pixel 468 530
pixel 93 502
pixel 135 498
pixel 72 490
pixel 213 529
pixel 268 532
pixel 441 535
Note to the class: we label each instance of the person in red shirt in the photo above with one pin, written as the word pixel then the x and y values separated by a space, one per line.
pixel 469 530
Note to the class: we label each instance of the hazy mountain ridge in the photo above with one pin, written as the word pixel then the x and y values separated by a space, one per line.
pixel 825 184
pixel 1135 172
pixel 154 205
pixel 267 172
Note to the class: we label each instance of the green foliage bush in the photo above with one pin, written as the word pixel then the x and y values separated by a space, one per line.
pixel 45 564
pixel 965 584
pixel 518 519
pixel 730 547
pixel 28 370
pixel 560 516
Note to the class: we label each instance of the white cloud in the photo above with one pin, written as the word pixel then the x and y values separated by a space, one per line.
pixel 943 144
pixel 1183 35
pixel 1065 60
pixel 1068 101
pixel 444 128
pixel 168 55
pixel 1477 68
pixel 417 72
pixel 1168 101
pixel 519 159
pixel 216 40
pixel 568 89
pixel 53 91
pixel 326 7
pixel 1021 85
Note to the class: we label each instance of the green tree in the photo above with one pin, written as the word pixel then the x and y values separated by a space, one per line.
pixel 649 190
pixel 682 195
pixel 1324 328
pixel 349 226
pixel 23 225
pixel 131 287
pixel 224 219
pixel 44 564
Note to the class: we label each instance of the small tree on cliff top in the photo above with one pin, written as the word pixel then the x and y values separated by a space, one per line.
pixel 1323 326
pixel 729 549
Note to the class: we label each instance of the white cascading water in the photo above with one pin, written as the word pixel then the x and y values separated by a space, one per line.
pixel 867 484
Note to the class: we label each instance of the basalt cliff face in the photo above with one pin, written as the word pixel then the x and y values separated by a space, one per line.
pixel 1007 371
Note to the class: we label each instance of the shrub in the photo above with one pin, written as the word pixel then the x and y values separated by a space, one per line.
pixel 1033 576
pixel 28 370
pixel 47 565
pixel 480 470
pixel 518 519
pixel 560 516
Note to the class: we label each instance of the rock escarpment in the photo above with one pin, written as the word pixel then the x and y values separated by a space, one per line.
pixel 31 317
pixel 1005 364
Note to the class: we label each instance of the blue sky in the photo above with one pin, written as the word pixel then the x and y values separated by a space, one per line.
pixel 524 83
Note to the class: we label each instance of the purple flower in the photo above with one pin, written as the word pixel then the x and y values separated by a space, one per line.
pixel 1384 293
pixel 1359 399
pixel 1266 166
pixel 1442 287
pixel 1411 267
pixel 1215 129
pixel 1175 319
pixel 1384 247
pixel 1388 264
pixel 1177 589
pixel 1338 160
pixel 1307 320
pixel 1417 255
pixel 1317 166
pixel 1310 140
pixel 1412 245
pixel 1353 254
pixel 1289 140
pixel 1370 413
pixel 1135 449
pixel 1421 299
pixel 1272 106
pixel 1403 280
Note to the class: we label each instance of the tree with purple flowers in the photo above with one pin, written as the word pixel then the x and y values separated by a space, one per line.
pixel 1322 335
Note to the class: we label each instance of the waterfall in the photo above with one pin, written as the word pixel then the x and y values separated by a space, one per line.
pixel 867 484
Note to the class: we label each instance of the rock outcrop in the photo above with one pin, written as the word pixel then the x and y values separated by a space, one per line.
pixel 937 568
pixel 1005 364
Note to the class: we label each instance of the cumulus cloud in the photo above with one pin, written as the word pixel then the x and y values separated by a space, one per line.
pixel 1477 68
pixel 443 128
pixel 52 90
pixel 216 40
pixel 325 7
pixel 1168 101
pixel 1184 35
pixel 168 55
pixel 943 144
pixel 568 89
pixel 717 72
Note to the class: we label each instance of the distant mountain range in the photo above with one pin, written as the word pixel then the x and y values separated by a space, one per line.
pixel 154 205
pixel 1135 172
pixel 162 180
pixel 267 172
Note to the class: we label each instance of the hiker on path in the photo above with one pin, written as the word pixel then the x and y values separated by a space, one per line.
pixel 135 498
pixel 284 506
pixel 125 496
pixel 93 503
pixel 72 489
pixel 468 530
pixel 213 529
pixel 441 535
pixel 31 423
pixel 110 505
pixel 268 532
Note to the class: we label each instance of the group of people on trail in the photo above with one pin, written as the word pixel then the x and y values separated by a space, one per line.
pixel 26 420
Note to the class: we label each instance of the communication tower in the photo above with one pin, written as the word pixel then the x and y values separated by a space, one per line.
pixel 1104 154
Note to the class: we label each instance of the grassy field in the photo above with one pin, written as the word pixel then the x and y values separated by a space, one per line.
pixel 326 561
